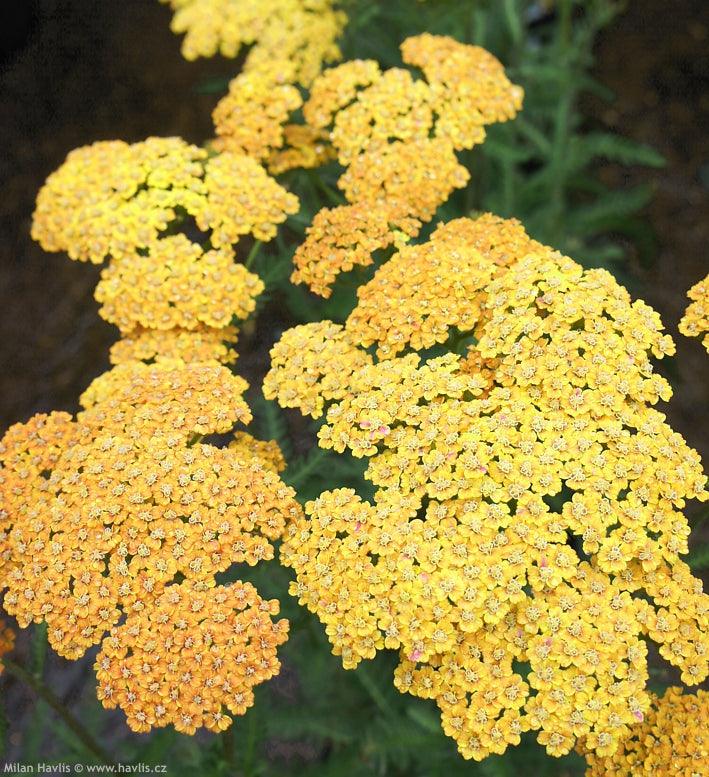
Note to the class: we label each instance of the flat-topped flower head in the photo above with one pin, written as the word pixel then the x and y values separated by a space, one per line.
pixel 242 199
pixel 119 516
pixel 166 397
pixel 410 179
pixel 418 296
pixel 465 88
pixel 340 239
pixel 250 119
pixel 669 740
pixel 111 198
pixel 311 364
pixel 529 497
pixel 196 654
pixel 695 322
pixel 304 32
pixel 177 285
pixel 467 85
pixel 202 344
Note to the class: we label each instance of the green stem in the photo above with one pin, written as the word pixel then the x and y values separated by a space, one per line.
pixel 253 253
pixel 304 472
pixel 57 705
pixel 375 694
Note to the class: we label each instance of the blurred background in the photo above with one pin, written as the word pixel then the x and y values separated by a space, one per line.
pixel 76 71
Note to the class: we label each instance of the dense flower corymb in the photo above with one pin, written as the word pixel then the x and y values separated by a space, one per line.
pixel 113 199
pixel 197 650
pixel 670 740
pixel 304 32
pixel 398 136
pixel 528 497
pixel 178 285
pixel 695 322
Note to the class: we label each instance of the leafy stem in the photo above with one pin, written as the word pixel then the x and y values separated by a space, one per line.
pixel 47 695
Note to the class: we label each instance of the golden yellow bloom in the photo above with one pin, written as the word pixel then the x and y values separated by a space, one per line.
pixel 336 88
pixel 249 119
pixel 202 344
pixel 310 364
pixel 340 239
pixel 168 397
pixel 267 452
pixel 398 136
pixel 467 85
pixel 301 31
pixel 393 107
pixel 671 739
pixel 465 89
pixel 695 322
pixel 197 650
pixel 411 179
pixel 7 640
pixel 529 510
pixel 112 198
pixel 429 289
pixel 242 199
pixel 304 147
pixel 176 285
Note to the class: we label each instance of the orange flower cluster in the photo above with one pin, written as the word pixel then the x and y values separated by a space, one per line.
pixel 528 504
pixel 398 136
pixel 197 650
pixel 695 322
pixel 115 524
pixel 670 741
pixel 303 32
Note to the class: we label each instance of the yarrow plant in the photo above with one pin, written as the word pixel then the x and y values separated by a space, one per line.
pixel 518 540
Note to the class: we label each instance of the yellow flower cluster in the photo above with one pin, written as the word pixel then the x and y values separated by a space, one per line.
pixel 670 740
pixel 180 286
pixel 398 138
pixel 528 498
pixel 202 344
pixel 114 525
pixel 304 32
pixel 197 650
pixel 125 202
pixel 695 322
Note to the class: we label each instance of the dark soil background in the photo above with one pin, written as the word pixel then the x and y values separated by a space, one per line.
pixel 76 71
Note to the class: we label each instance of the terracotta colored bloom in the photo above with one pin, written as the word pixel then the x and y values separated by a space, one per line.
pixel 671 739
pixel 340 239
pixel 202 344
pixel 197 650
pixel 301 31
pixel 177 285
pixel 528 502
pixel 695 322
